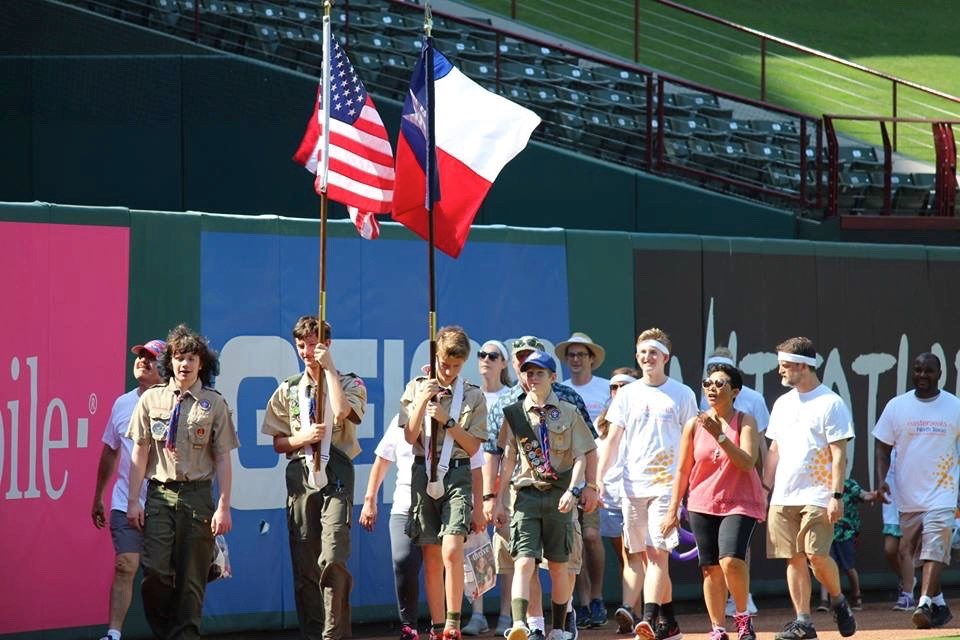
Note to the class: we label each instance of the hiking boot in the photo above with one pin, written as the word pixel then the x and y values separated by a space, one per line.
pixel 625 621
pixel 670 630
pixel 476 626
pixel 922 616
pixel 598 613
pixel 796 630
pixel 941 615
pixel 518 631
pixel 451 634
pixel 644 630
pixel 744 628
pixel 905 602
pixel 408 633
pixel 843 616
pixel 583 617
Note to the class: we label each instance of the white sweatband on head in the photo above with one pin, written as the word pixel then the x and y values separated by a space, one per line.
pixel 656 344
pixel 622 378
pixel 797 358
pixel 500 347
pixel 720 360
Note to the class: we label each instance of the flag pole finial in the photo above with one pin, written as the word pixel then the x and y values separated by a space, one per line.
pixel 427 19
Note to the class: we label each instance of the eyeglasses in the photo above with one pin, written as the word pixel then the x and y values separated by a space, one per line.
pixel 486 355
pixel 528 342
pixel 719 384
pixel 577 355
pixel 618 385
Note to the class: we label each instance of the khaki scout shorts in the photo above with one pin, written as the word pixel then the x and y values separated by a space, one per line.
pixel 796 529
pixel 538 529
pixel 431 519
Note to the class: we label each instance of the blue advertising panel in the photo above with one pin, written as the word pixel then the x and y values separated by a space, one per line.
pixel 255 286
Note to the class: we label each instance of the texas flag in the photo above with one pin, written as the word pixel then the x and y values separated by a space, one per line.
pixel 476 134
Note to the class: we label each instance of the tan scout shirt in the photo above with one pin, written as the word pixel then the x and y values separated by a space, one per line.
pixel 569 438
pixel 205 430
pixel 283 413
pixel 472 418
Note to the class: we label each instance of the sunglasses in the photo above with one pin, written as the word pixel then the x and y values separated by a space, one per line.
pixel 486 355
pixel 618 385
pixel 719 384
pixel 528 343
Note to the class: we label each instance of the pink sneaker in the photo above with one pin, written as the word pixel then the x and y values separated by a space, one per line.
pixel 644 631
pixel 408 633
pixel 744 627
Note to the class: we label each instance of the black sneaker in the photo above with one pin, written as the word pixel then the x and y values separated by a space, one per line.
pixel 922 616
pixel 843 616
pixel 536 634
pixel 668 630
pixel 625 620
pixel 796 630
pixel 570 625
pixel 941 615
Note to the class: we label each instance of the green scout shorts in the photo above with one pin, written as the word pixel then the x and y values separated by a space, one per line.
pixel 432 519
pixel 538 529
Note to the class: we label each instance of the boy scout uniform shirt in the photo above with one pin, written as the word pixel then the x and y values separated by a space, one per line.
pixel 283 414
pixel 473 414
pixel 204 431
pixel 569 439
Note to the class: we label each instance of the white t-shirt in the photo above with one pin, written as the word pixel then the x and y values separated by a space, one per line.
pixel 492 396
pixel 653 419
pixel 925 434
pixel 595 394
pixel 115 437
pixel 803 425
pixel 613 478
pixel 394 447
pixel 750 402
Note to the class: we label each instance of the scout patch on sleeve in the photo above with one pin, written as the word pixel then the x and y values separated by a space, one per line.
pixel 158 429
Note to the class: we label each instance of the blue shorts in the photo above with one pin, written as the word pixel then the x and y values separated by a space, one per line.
pixel 844 554
pixel 611 523
pixel 126 539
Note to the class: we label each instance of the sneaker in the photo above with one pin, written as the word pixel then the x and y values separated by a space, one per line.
pixel 476 626
pixel 435 635
pixel 718 634
pixel 796 630
pixel 536 634
pixel 519 632
pixel 843 616
pixel 644 631
pixel 731 609
pixel 922 616
pixel 503 625
pixel 670 631
pixel 824 605
pixel 557 634
pixel 598 613
pixel 751 605
pixel 451 634
pixel 625 621
pixel 856 602
pixel 744 628
pixel 905 602
pixel 583 617
pixel 406 633
pixel 941 615
pixel 570 624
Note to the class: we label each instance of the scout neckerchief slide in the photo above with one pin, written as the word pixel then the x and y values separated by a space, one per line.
pixel 435 489
pixel 316 479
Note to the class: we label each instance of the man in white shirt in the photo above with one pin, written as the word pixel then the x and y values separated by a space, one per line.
pixel 583 356
pixel 127 541
pixel 809 428
pixel 923 427
pixel 650 415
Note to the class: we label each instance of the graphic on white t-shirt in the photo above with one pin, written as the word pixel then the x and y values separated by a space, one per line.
pixel 595 394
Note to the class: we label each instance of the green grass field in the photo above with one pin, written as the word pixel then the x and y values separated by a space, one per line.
pixel 913 41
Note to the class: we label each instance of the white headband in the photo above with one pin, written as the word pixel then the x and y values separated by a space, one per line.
pixel 720 360
pixel 783 356
pixel 500 347
pixel 656 344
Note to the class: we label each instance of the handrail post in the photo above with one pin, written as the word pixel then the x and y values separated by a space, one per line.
pixel 513 9
pixel 649 123
pixel 763 68
pixel 833 180
pixel 636 30
pixel 887 168
pixel 894 110
pixel 803 162
pixel 660 122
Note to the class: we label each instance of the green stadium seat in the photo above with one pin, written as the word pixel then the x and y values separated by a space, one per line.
pixel 517 94
pixel 545 97
pixel 619 79
pixel 616 102
pixel 483 73
pixel 859 159
pixel 573 97
pixel 395 70
pixel 853 185
pixel 696 101
pixel 373 42
pixel 570 74
pixel 911 199
pixel 596 128
pixel 530 74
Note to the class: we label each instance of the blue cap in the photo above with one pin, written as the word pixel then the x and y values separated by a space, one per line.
pixel 539 359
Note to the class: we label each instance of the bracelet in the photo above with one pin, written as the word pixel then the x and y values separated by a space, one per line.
pixel 592 485
pixel 489 496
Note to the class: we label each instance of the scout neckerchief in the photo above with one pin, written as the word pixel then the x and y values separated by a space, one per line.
pixel 316 478
pixel 544 434
pixel 171 443
pixel 435 489
pixel 528 444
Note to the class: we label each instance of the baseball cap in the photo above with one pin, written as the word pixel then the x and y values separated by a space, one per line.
pixel 539 359
pixel 527 343
pixel 154 348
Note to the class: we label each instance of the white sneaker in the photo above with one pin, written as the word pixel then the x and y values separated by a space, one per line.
pixel 731 610
pixel 558 634
pixel 751 605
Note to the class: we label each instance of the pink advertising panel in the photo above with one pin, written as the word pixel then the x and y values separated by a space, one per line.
pixel 62 364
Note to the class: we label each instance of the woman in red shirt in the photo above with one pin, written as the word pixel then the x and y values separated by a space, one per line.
pixel 717 464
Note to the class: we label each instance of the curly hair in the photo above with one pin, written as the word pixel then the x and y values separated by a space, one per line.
pixel 183 340
pixel 736 378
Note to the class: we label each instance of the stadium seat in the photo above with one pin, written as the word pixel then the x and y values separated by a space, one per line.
pixel 394 24
pixel 853 185
pixel 517 50
pixel 628 135
pixel 544 97
pixel 596 128
pixel 619 79
pixel 483 73
pixel 696 101
pixel 367 66
pixel 743 131
pixel 517 94
pixel 675 150
pixel 783 131
pixel 373 42
pixel 715 112
pixel 291 42
pixel 573 97
pixel 616 102
pixel 566 125
pixel 685 126
pixel 164 15
pixel 570 74
pixel 859 159
pixel 264 41
pixel 270 14
pixel 910 199
pixel 395 71
pixel 303 15
pixel 531 75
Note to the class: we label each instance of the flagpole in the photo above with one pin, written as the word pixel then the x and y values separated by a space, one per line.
pixel 430 197
pixel 323 172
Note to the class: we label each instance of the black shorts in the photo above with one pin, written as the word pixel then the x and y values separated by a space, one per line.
pixel 721 536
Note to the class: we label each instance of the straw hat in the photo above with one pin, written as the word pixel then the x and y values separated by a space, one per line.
pixel 599 353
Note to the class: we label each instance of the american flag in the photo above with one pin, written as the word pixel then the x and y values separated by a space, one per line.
pixel 361 158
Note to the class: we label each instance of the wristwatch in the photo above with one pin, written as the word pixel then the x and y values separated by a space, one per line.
pixel 450 423
pixel 721 438
pixel 837 495
pixel 576 491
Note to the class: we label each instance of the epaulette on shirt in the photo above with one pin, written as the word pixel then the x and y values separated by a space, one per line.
pixel 213 390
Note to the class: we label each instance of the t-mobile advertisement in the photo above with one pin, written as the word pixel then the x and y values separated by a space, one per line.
pixel 62 360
